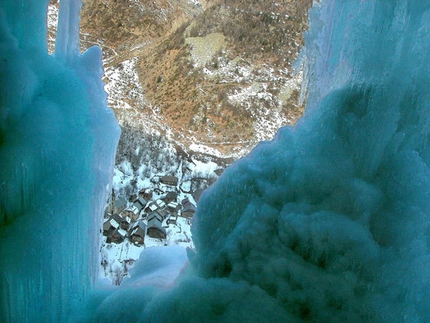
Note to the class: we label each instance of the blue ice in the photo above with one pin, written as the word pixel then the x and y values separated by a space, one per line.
pixel 328 222
pixel 57 141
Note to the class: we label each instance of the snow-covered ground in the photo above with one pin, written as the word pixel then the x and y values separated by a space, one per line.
pixel 52 16
pixel 117 259
pixel 198 148
pixel 195 2
pixel 122 82
pixel 51 23
pixel 265 94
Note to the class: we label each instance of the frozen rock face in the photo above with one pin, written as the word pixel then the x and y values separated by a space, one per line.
pixel 54 166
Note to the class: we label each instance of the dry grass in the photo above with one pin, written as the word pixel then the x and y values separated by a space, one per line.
pixel 253 30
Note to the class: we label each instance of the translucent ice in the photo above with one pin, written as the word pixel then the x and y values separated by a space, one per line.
pixel 331 218
pixel 54 167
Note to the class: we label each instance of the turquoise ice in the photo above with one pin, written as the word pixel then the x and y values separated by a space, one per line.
pixel 328 222
pixel 57 140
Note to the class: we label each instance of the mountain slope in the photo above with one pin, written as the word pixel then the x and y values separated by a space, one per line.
pixel 216 73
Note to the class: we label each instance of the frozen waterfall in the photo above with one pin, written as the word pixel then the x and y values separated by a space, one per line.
pixel 57 142
pixel 328 222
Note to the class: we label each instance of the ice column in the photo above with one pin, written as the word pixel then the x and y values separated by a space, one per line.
pixel 54 164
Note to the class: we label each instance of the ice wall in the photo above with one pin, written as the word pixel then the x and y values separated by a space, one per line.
pixel 331 218
pixel 54 167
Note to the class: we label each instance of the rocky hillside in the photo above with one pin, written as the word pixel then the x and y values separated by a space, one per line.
pixel 214 73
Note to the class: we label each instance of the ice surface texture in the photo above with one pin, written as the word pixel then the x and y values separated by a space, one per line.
pixel 54 167
pixel 331 218
pixel 328 222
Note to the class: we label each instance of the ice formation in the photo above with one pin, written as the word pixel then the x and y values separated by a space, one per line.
pixel 328 222
pixel 331 218
pixel 57 140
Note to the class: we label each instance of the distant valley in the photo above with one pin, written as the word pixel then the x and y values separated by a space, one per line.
pixel 207 79
pixel 211 72
pixel 194 85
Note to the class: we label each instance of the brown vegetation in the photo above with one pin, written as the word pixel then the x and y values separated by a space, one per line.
pixel 256 31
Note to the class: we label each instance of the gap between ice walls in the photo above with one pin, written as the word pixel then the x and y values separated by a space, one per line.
pixel 328 222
